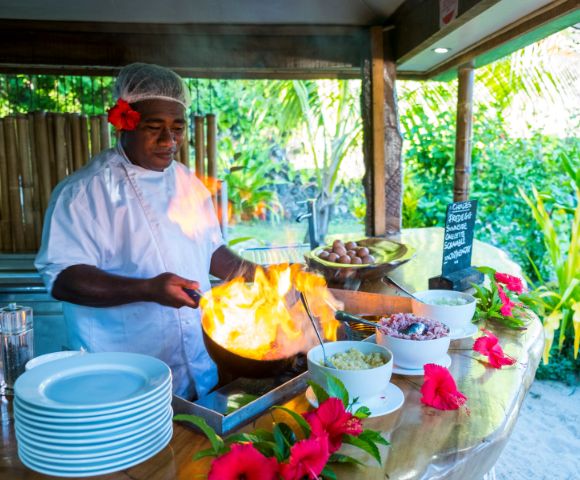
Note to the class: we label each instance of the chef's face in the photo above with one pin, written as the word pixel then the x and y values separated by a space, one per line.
pixel 157 138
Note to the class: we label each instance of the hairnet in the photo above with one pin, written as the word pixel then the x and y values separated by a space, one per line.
pixel 143 81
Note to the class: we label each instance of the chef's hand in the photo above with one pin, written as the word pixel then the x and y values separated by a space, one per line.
pixel 167 289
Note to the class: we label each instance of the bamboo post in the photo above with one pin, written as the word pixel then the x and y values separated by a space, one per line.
pixel 5 227
pixel 199 146
pixel 70 164
pixel 50 158
pixel 13 185
pixel 95 135
pixel 211 146
pixel 60 144
pixel 42 161
pixel 462 172
pixel 77 141
pixel 105 133
pixel 26 183
pixel 85 155
pixel 35 180
pixel 184 149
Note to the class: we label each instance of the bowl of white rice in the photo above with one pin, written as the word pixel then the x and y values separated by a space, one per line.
pixel 412 351
pixel 454 309
pixel 365 368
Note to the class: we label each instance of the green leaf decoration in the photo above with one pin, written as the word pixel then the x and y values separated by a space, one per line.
pixel 362 412
pixel 490 272
pixel 363 444
pixel 320 393
pixel 208 452
pixel 215 440
pixel 238 400
pixel 328 473
pixel 337 389
pixel 284 437
pixel 267 449
pixel 341 458
pixel 299 419
pixel 373 436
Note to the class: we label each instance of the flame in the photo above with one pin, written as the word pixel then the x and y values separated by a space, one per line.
pixel 265 319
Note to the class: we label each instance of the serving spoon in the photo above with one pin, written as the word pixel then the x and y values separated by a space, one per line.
pixel 327 363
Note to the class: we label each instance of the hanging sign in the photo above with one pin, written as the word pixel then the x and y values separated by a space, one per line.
pixel 447 11
pixel 458 239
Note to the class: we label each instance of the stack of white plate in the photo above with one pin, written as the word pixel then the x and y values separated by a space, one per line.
pixel 93 414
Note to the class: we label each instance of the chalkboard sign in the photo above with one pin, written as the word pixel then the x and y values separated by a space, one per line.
pixel 458 240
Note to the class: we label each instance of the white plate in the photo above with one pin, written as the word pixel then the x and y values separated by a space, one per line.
pixel 99 468
pixel 387 402
pixel 98 446
pixel 93 381
pixel 444 361
pixel 93 415
pixel 92 436
pixel 66 453
pixel 466 332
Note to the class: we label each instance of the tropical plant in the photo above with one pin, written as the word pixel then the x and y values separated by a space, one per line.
pixel 557 299
pixel 327 113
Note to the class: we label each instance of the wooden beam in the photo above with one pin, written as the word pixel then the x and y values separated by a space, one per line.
pixel 417 27
pixel 463 136
pixel 197 50
pixel 382 139
pixel 378 130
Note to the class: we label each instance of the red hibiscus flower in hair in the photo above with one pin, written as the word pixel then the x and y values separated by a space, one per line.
pixel 513 284
pixel 307 459
pixel 331 419
pixel 439 389
pixel 489 346
pixel 507 304
pixel 123 117
pixel 243 462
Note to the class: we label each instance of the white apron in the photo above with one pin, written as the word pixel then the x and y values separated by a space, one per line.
pixel 138 223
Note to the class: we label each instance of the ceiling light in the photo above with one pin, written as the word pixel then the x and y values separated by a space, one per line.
pixel 441 50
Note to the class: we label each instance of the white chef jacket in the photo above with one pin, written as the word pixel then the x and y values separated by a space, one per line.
pixel 139 223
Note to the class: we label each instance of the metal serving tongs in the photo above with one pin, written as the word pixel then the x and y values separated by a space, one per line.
pixel 311 317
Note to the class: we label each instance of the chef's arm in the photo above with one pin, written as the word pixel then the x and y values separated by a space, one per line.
pixel 225 264
pixel 90 286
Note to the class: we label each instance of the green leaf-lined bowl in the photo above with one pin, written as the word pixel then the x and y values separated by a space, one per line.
pixel 388 254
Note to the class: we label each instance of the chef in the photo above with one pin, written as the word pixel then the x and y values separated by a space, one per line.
pixel 125 235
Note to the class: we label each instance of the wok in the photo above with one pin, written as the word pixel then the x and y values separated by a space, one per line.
pixel 243 366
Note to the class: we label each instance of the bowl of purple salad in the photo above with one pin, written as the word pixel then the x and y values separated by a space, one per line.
pixel 413 340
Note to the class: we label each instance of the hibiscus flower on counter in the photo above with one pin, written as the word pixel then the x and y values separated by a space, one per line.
pixel 286 454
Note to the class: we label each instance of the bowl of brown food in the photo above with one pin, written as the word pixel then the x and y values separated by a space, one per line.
pixel 363 259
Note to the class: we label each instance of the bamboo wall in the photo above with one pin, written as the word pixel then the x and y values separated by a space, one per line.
pixel 37 151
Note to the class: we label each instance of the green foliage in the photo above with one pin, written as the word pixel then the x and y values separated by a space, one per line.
pixel 557 298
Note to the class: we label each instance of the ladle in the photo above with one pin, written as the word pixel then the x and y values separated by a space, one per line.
pixel 311 317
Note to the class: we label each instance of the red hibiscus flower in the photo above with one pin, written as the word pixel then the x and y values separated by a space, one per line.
pixel 307 459
pixel 331 419
pixel 243 462
pixel 489 346
pixel 513 284
pixel 507 304
pixel 439 389
pixel 123 117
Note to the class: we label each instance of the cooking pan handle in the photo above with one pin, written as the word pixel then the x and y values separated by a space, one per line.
pixel 194 294
pixel 349 317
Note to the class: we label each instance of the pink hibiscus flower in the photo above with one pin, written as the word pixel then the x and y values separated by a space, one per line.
pixel 243 462
pixel 439 389
pixel 307 459
pixel 331 419
pixel 507 304
pixel 489 346
pixel 513 284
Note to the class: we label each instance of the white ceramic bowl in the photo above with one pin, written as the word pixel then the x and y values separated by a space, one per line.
pixel 50 357
pixel 456 317
pixel 359 383
pixel 413 354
